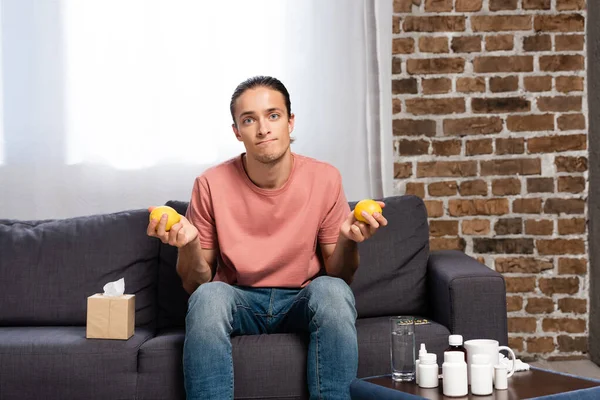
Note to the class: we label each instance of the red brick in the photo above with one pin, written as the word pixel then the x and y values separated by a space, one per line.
pixel 414 127
pixel 402 170
pixel 510 146
pixel 440 227
pixel 497 23
pixel 571 184
pixel 538 83
pixel 499 5
pixel 571 164
pixel 476 187
pixel 466 44
pixel 435 66
pixel 438 5
pixel 525 265
pixel 403 6
pixel 559 23
pixel 499 43
pixel 568 122
pixel 516 343
pixel 567 5
pixel 447 244
pixel 569 42
pixel 413 147
pixel 520 284
pixel 480 146
pixel 521 324
pixel 504 84
pixel 536 4
pixel 446 168
pixel 571 305
pixel 567 206
pixel 539 305
pixel 506 187
pixel 508 226
pixel 540 185
pixel 472 126
pixel 445 23
pixel 404 86
pixel 557 63
pixel 567 84
pixel 537 43
pixel 542 227
pixel 428 44
pixel 503 246
pixel 556 143
pixel 571 226
pixel 444 188
pixel 415 189
pixel 396 106
pixel 530 123
pixel 475 227
pixel 446 147
pixel 568 344
pixel 470 85
pixel 423 106
pixel 395 24
pixel 434 208
pixel 403 45
pixel 436 85
pixel 514 303
pixel 468 5
pixel 487 64
pixel 540 345
pixel 396 65
pixel 464 207
pixel 570 325
pixel 572 266
pixel 559 103
pixel 560 246
pixel 527 206
pixel 550 286
pixel 513 166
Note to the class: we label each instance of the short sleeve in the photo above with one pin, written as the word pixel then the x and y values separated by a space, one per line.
pixel 201 214
pixel 337 211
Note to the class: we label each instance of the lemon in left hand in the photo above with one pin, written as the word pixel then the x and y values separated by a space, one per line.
pixel 368 205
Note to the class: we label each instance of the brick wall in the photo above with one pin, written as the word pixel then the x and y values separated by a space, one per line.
pixel 490 117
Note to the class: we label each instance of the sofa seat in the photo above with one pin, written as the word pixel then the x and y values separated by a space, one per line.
pixel 49 359
pixel 272 364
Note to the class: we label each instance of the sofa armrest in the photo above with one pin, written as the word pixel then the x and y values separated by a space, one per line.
pixel 466 296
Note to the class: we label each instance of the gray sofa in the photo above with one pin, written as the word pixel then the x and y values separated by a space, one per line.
pixel 49 268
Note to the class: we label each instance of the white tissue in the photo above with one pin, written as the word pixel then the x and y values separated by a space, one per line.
pixel 520 365
pixel 116 288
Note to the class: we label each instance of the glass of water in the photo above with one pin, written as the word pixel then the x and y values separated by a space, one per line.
pixel 403 348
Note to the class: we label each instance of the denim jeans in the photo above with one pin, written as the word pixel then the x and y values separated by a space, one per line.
pixel 324 309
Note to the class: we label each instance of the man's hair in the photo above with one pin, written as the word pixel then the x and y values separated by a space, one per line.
pixel 260 81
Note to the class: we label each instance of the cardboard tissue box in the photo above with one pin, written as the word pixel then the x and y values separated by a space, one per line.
pixel 111 315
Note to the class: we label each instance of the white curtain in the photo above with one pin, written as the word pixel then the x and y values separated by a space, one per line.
pixel 109 105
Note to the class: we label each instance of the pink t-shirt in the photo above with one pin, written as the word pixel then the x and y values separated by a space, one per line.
pixel 268 238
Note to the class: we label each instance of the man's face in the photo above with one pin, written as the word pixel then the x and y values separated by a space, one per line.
pixel 263 124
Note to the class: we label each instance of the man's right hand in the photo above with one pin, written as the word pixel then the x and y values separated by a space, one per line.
pixel 181 234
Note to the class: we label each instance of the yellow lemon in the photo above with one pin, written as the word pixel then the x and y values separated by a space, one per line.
pixel 368 205
pixel 172 216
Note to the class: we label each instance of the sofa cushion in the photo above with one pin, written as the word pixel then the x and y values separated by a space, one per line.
pixel 60 363
pixel 389 281
pixel 49 268
pixel 272 366
pixel 391 277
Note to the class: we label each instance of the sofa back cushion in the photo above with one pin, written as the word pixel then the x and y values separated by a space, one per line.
pixel 49 268
pixel 389 281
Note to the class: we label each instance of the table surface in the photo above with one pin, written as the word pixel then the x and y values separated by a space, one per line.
pixel 522 385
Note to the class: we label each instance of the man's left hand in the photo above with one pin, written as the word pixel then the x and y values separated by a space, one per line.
pixel 358 231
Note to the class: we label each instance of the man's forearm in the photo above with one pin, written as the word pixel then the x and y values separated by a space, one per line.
pixel 344 261
pixel 191 266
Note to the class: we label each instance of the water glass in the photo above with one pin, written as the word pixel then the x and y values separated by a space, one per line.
pixel 403 348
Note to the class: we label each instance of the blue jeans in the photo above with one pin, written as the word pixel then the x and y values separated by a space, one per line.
pixel 324 309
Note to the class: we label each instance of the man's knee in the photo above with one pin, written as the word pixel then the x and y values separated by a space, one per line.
pixel 333 297
pixel 211 299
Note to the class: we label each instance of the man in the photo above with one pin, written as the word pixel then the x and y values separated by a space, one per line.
pixel 260 217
